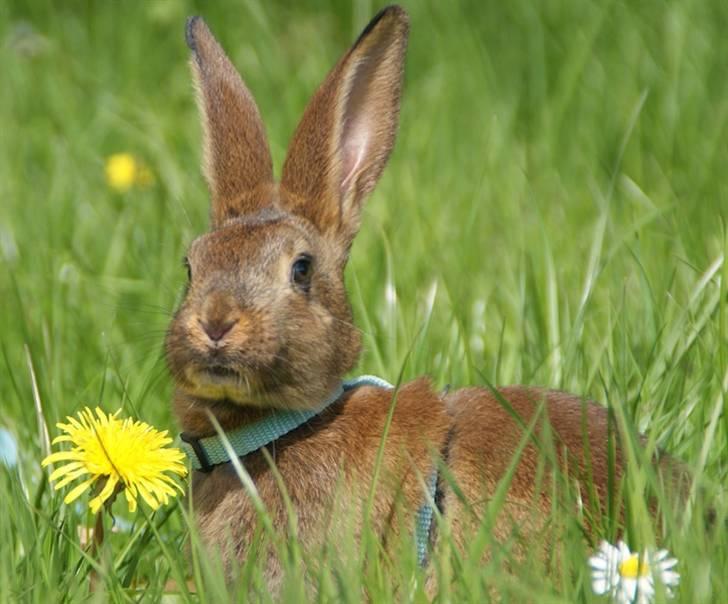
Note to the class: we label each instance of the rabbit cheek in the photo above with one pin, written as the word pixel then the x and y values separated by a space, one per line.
pixel 180 355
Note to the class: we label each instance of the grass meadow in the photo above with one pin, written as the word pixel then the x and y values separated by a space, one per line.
pixel 554 214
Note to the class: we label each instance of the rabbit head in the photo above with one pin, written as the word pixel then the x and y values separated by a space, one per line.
pixel 265 320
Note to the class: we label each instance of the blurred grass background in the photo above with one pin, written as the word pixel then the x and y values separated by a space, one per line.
pixel 554 214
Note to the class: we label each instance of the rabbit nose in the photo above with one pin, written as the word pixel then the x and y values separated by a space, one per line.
pixel 216 330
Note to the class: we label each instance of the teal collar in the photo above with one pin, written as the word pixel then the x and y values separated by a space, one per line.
pixel 206 453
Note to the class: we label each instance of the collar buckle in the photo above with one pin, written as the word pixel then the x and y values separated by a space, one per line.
pixel 199 451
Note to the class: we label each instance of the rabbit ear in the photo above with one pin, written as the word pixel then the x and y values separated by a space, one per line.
pixel 237 159
pixel 347 132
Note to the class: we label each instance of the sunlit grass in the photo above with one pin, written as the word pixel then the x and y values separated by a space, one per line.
pixel 554 214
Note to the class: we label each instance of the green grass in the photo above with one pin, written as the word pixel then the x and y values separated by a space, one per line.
pixel 554 214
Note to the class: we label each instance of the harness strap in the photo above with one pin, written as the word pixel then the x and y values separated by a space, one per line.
pixel 423 521
pixel 206 453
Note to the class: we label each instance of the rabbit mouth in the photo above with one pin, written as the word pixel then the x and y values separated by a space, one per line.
pixel 222 372
pixel 220 376
pixel 219 382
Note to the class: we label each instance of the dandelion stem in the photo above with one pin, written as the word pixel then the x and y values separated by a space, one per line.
pixel 98 539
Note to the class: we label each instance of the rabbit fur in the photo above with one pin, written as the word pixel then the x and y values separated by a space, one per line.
pixel 265 324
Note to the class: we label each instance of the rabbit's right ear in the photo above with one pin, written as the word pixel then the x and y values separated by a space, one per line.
pixel 237 161
pixel 347 132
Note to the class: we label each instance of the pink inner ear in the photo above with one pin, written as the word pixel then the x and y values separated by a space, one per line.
pixel 353 152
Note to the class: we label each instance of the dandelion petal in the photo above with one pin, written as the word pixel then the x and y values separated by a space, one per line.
pixel 78 490
pixel 105 493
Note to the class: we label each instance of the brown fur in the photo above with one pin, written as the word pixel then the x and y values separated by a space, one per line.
pixel 487 434
pixel 247 340
pixel 338 445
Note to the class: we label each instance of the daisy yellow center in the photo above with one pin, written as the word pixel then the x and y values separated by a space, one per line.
pixel 633 567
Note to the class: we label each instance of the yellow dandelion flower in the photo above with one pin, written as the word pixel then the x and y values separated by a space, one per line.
pixel 111 454
pixel 123 171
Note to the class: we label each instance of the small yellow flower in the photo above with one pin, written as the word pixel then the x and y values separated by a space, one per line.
pixel 113 454
pixel 123 171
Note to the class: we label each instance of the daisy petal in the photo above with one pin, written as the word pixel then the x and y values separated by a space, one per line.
pixel 598 563
pixel 668 564
pixel 660 554
pixel 600 586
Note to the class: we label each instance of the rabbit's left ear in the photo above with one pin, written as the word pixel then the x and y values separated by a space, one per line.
pixel 348 129
pixel 238 165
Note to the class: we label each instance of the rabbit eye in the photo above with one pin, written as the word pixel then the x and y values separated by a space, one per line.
pixel 301 271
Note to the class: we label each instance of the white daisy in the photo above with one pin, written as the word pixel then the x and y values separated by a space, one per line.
pixel 629 577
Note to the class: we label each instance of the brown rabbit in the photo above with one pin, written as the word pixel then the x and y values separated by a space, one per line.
pixel 265 334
